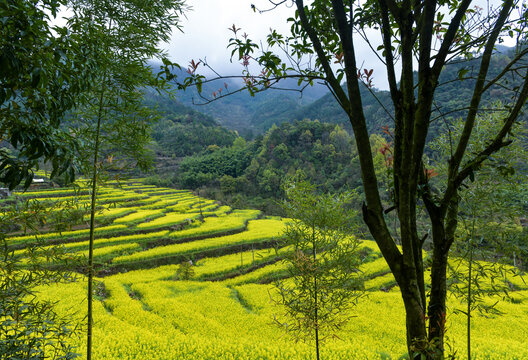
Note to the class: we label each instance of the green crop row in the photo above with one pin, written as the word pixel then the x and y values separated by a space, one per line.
pixel 55 193
pixel 374 268
pixel 170 219
pixel 257 231
pixel 109 252
pixel 222 264
pixel 214 211
pixel 202 207
pixel 25 239
pixel 184 205
pixel 164 191
pixel 212 225
pixel 152 199
pixel 139 216
pixel 106 198
pixel 162 203
pixel 100 242
pixel 380 282
pixel 111 212
pixel 267 272
pixel 62 193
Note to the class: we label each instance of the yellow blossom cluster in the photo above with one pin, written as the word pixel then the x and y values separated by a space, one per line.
pixel 149 314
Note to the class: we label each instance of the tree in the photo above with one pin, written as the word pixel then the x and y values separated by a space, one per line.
pixel 89 72
pixel 418 38
pixel 487 221
pixel 43 70
pixel 112 121
pixel 30 328
pixel 323 262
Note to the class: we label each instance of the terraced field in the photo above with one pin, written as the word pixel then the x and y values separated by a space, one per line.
pixel 225 311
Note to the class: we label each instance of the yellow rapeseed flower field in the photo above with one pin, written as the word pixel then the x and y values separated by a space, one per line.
pixel 63 235
pixel 257 231
pixel 148 314
pixel 139 216
pixel 169 219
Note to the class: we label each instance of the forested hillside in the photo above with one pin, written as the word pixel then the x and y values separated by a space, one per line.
pixel 251 173
pixel 314 139
pixel 253 115
pixel 181 130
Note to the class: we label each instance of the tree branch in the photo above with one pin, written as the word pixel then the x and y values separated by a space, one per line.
pixel 394 9
pixel 389 59
pixel 456 159
pixel 426 35
pixel 449 38
pixel 379 102
pixel 274 5
pixel 372 210
pixel 331 79
pixel 506 69
pixel 426 88
pixel 498 142
pixel 347 44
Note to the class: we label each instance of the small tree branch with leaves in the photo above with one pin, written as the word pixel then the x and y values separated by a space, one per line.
pixel 323 262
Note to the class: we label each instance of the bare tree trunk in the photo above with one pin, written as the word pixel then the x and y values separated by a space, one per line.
pixel 444 225
pixel 437 300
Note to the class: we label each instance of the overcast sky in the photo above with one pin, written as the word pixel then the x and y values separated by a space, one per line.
pixel 205 28
pixel 206 35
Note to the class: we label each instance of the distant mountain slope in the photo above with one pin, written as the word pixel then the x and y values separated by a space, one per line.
pixel 175 109
pixel 183 131
pixel 254 115
pixel 452 96
pixel 377 107
pixel 246 114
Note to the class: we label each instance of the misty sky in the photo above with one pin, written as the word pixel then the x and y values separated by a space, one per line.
pixel 206 35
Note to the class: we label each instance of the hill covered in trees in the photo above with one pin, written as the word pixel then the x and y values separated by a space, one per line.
pixel 251 173
pixel 254 115
pixel 183 131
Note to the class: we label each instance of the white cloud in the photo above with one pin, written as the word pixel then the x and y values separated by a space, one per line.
pixel 206 35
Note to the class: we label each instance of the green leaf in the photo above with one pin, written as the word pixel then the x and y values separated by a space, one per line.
pixel 462 72
pixel 29 180
pixel 35 77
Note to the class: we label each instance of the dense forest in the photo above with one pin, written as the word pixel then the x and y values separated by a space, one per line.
pixel 250 173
